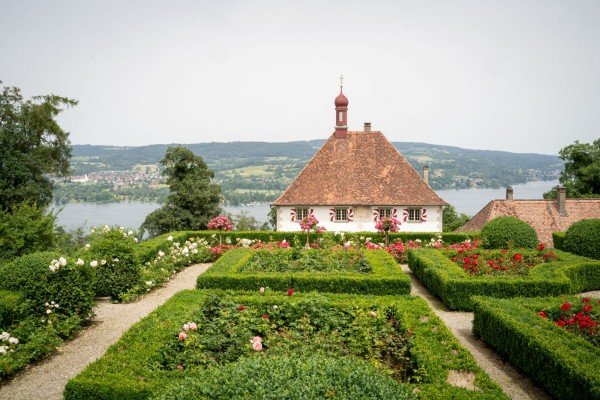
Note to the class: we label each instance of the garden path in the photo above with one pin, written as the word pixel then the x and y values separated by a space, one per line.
pixel 47 379
pixel 515 385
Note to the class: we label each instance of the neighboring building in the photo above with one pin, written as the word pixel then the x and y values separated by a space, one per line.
pixel 545 216
pixel 356 178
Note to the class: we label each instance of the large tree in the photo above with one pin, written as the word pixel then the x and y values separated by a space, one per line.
pixel 581 176
pixel 193 199
pixel 33 147
pixel 451 220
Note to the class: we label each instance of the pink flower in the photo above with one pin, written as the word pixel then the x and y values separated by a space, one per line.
pixel 256 339
pixel 220 222
pixel 193 326
pixel 182 336
pixel 387 224
pixel 262 290
pixel 186 327
pixel 373 314
pixel 257 346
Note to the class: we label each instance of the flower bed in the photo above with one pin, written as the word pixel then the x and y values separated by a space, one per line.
pixel 213 344
pixel 581 317
pixel 455 286
pixel 384 277
pixel 563 362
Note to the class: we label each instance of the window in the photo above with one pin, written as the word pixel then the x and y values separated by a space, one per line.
pixel 385 213
pixel 301 213
pixel 340 117
pixel 341 215
pixel 414 214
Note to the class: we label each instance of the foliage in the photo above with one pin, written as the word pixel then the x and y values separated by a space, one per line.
pixel 25 229
pixel 581 177
pixel 451 220
pixel 193 199
pixel 455 287
pixel 131 369
pixel 245 222
pixel 33 147
pixel 583 238
pixel 566 365
pixel 111 253
pixel 10 307
pixel 385 277
pixel 558 238
pixel 273 218
pixel 503 232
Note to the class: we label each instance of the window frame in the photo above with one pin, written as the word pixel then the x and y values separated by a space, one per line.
pixel 342 210
pixel 417 214
pixel 304 209
pixel 388 211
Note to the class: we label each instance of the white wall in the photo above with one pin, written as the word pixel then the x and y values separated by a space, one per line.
pixel 362 221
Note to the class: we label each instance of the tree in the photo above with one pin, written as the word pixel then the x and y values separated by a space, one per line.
pixel 581 176
pixel 25 229
pixel 273 217
pixel 245 222
pixel 193 197
pixel 451 220
pixel 33 147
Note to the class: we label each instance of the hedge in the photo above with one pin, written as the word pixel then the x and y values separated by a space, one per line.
pixel 455 287
pixel 583 238
pixel 10 310
pixel 386 276
pixel 502 232
pixel 567 366
pixel 558 238
pixel 125 371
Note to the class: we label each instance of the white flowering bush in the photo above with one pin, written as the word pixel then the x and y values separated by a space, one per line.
pixel 7 343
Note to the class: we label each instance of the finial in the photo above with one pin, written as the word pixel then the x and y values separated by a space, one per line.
pixel 341 81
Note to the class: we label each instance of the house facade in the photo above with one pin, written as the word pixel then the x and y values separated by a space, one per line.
pixel 355 179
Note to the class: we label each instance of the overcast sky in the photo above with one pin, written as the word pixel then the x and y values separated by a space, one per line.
pixel 507 75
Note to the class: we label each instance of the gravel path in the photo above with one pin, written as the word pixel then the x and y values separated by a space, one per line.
pixel 515 385
pixel 47 379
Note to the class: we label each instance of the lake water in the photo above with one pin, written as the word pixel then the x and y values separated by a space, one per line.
pixel 132 214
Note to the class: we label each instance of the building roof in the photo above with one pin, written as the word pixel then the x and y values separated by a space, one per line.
pixel 362 169
pixel 542 215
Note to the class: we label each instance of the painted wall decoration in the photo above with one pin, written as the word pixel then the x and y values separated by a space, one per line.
pixel 350 214
pixel 423 214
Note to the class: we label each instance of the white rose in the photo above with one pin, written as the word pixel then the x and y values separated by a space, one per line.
pixel 79 261
pixel 62 261
pixel 87 246
pixel 93 263
pixel 103 262
pixel 13 340
pixel 170 238
pixel 135 240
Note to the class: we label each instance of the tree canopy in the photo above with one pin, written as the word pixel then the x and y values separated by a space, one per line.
pixel 451 220
pixel 581 176
pixel 33 147
pixel 193 199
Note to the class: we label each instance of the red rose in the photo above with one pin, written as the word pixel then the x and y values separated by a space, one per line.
pixel 541 246
pixel 265 316
pixel 587 308
pixel 518 257
pixel 542 314
pixel 560 323
pixel 241 307
pixel 290 291
pixel 586 300
pixel 565 306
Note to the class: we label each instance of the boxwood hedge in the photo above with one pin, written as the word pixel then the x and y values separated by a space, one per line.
pixel 558 238
pixel 386 276
pixel 10 308
pixel 126 372
pixel 567 366
pixel 455 287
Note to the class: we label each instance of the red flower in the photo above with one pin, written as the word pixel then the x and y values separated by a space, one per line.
pixel 541 246
pixel 560 323
pixel 290 291
pixel 586 300
pixel 542 314
pixel 587 308
pixel 241 307
pixel 265 316
pixel 518 257
pixel 565 306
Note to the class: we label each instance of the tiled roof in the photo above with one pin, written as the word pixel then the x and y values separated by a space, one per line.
pixel 542 215
pixel 362 169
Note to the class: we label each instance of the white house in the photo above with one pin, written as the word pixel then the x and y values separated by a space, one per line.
pixel 356 178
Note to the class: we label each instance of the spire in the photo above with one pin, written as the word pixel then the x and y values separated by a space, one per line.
pixel 341 113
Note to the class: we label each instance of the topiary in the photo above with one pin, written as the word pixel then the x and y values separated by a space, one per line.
pixel 583 238
pixel 502 232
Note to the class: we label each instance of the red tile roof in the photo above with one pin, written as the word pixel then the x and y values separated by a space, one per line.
pixel 542 215
pixel 362 169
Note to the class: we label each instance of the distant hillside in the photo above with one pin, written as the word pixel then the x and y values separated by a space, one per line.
pixel 259 171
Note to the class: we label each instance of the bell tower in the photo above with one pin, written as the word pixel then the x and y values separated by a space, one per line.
pixel 341 113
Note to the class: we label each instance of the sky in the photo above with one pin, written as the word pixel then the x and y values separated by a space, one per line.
pixel 520 76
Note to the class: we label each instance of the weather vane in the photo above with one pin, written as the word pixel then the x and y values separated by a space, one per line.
pixel 341 81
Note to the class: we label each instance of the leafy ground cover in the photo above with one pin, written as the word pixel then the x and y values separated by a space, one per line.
pixel 552 340
pixel 215 344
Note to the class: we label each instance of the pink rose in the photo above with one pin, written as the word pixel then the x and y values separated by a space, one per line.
pixel 257 346
pixel 186 327
pixel 182 336
pixel 256 339
pixel 193 326
pixel 262 290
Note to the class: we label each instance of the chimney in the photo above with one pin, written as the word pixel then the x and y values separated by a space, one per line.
pixel 509 193
pixel 426 174
pixel 561 198
pixel 367 127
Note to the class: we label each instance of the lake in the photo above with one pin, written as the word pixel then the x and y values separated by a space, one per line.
pixel 132 214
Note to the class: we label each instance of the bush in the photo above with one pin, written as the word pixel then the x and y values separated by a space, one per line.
pixel 285 377
pixel 70 286
pixel 567 366
pixel 25 230
pixel 583 238
pixel 455 287
pixel 10 308
pixel 385 277
pixel 502 232
pixel 117 269
pixel 558 239
pixel 124 372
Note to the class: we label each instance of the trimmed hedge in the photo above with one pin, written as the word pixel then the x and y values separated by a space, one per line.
pixel 558 238
pixel 583 238
pixel 455 287
pixel 567 366
pixel 386 276
pixel 124 372
pixel 10 310
pixel 501 232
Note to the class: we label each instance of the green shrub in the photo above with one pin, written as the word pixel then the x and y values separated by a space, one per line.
pixel 131 370
pixel 117 269
pixel 295 377
pixel 27 229
pixel 10 308
pixel 567 366
pixel 502 232
pixel 583 238
pixel 455 287
pixel 69 286
pixel 385 277
pixel 558 238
